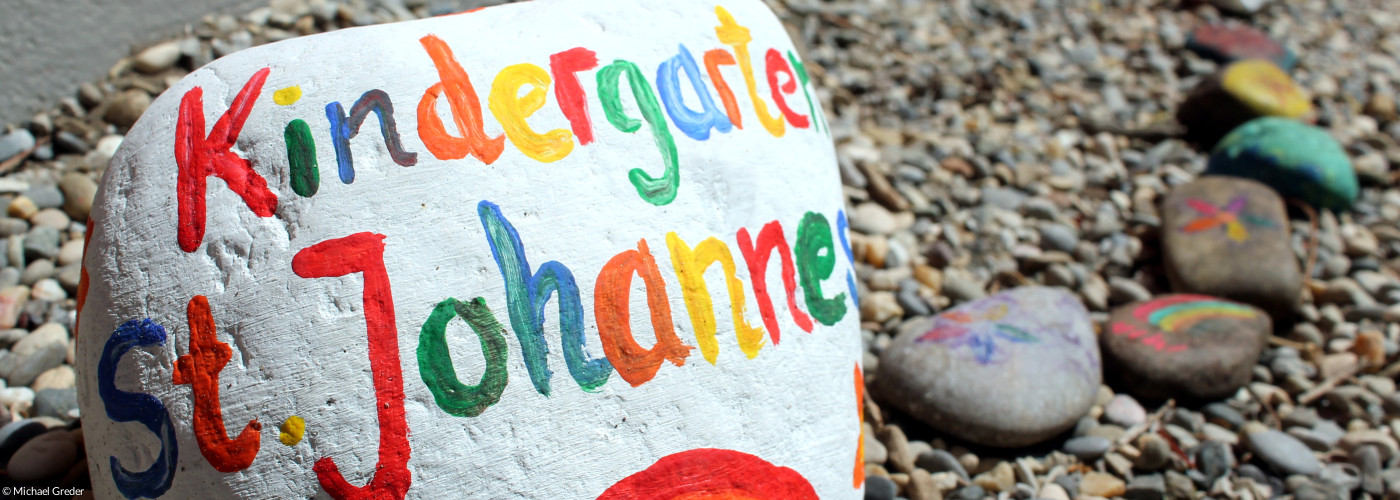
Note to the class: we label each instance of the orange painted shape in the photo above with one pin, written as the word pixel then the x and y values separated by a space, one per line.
pixel 859 477
pixel 200 368
pixel 611 295
pixel 466 111
pixel 713 60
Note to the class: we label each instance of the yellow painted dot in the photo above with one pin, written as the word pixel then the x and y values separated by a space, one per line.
pixel 292 430
pixel 287 96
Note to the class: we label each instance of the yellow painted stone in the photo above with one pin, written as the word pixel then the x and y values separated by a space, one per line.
pixel 287 95
pixel 291 430
pixel 1266 89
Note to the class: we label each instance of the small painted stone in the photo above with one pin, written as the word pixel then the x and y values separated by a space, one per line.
pixel 1228 237
pixel 1187 347
pixel 1007 370
pixel 1230 42
pixel 1298 160
pixel 1240 92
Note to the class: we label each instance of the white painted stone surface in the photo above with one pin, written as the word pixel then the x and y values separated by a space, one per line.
pixel 298 344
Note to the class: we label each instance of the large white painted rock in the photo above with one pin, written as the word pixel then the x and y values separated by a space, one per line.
pixel 559 249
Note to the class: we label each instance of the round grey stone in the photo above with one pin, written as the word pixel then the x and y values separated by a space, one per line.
pixel 1058 237
pixel 880 488
pixel 1284 453
pixel 936 461
pixel 1087 447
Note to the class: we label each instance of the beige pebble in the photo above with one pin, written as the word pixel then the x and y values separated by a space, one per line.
pixel 51 217
pixel 922 486
pixel 900 456
pixel 58 377
pixel 1052 491
pixel 1101 485
pixel 22 208
pixel 1000 478
pixel 71 252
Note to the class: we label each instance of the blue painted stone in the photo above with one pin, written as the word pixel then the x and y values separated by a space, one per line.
pixel 1297 160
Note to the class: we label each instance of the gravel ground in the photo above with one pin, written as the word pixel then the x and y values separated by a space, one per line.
pixel 983 145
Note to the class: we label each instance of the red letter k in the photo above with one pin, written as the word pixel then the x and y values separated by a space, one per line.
pixel 198 157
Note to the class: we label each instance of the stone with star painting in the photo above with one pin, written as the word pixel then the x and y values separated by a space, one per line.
pixel 1012 369
pixel 1228 237
pixel 1193 348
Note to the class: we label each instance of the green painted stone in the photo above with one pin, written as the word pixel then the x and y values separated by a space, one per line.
pixel 1297 160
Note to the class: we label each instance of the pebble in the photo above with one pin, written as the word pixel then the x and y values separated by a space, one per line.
pixel 1284 453
pixel 14 143
pixel 880 488
pixel 46 456
pixel 78 192
pixel 22 208
pixel 1146 487
pixel 42 349
pixel 871 218
pixel 1101 485
pixel 1368 459
pixel 1214 459
pixel 1001 478
pixel 1156 453
pixel 1052 491
pixel 57 403
pixel 1087 447
pixel 125 108
pixel 15 434
pixel 59 377
pixel 52 218
pixel 940 461
pixel 157 58
pixel 44 195
pixel 1008 370
pixel 1124 411
pixel 1059 237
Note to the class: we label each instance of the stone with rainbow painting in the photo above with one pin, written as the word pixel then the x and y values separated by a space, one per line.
pixel 559 249
pixel 1229 237
pixel 1192 348
pixel 1012 369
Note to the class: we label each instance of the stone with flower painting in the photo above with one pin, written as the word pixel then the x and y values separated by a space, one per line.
pixel 1296 159
pixel 1187 347
pixel 1228 237
pixel 1012 369
pixel 1240 92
